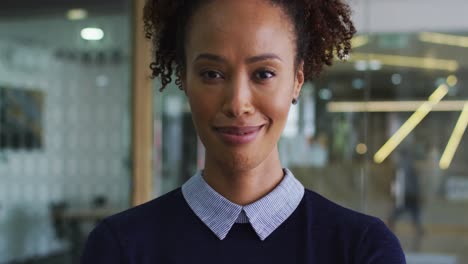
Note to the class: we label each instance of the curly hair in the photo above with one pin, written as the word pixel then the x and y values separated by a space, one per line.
pixel 323 28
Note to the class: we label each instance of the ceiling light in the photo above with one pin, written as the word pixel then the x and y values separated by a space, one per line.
pixel 410 124
pixel 361 148
pixel 392 106
pixel 452 80
pixel 77 14
pixel 455 139
pixel 405 61
pixel 92 33
pixel 359 41
pixel 444 39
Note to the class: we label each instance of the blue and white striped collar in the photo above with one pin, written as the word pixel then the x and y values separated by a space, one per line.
pixel 265 215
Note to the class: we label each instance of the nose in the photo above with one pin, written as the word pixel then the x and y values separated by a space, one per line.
pixel 238 98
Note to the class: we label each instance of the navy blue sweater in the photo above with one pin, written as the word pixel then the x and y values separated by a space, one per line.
pixel 166 230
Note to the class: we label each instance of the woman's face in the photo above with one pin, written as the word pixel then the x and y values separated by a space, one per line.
pixel 240 79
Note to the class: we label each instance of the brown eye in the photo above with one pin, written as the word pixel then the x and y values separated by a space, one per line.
pixel 264 75
pixel 211 75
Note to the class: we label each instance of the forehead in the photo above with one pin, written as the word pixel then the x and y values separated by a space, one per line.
pixel 251 26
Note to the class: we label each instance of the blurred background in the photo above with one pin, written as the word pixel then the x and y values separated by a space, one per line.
pixel 382 133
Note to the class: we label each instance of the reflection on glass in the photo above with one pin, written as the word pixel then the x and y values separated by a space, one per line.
pixel 64 125
pixel 396 135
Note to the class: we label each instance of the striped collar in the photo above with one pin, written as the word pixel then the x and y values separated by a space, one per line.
pixel 265 215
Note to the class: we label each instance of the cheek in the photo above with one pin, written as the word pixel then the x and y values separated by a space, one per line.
pixel 203 102
pixel 278 105
pixel 197 109
pixel 203 108
pixel 277 109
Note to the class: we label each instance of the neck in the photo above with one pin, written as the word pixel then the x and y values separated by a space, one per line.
pixel 244 186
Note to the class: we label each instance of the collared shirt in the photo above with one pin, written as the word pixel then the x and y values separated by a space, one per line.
pixel 265 215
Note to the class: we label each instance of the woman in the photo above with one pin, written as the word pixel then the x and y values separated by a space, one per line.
pixel 241 64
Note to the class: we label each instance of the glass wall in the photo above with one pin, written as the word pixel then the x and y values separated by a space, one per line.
pixel 64 124
pixel 390 123
pixel 387 136
pixel 383 133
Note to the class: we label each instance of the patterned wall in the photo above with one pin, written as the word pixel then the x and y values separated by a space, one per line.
pixel 86 130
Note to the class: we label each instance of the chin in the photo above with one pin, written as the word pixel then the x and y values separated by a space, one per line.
pixel 237 158
pixel 238 161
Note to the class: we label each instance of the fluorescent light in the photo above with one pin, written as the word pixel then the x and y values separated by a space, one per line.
pixel 410 124
pixel 392 106
pixel 405 61
pixel 455 139
pixel 444 39
pixel 438 94
pixel 92 33
pixel 77 14
pixel 359 41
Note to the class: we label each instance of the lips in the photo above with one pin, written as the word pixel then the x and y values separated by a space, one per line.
pixel 238 130
pixel 238 135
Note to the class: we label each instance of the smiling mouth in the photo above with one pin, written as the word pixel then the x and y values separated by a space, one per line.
pixel 238 130
pixel 238 135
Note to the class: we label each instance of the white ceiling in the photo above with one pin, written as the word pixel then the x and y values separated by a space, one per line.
pixel 410 15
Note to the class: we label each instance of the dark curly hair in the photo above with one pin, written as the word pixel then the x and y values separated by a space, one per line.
pixel 323 28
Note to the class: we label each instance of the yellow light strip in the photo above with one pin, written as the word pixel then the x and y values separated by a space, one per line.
pixel 444 39
pixel 405 61
pixel 77 14
pixel 392 106
pixel 455 139
pixel 410 124
pixel 359 41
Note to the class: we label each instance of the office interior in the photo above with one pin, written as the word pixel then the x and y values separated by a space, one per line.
pixel 84 133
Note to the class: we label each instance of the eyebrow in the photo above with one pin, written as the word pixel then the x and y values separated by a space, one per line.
pixel 217 58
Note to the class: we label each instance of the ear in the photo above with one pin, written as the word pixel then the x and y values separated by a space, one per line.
pixel 299 79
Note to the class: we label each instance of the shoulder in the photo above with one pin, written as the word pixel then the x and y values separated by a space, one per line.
pixel 150 217
pixel 366 237
pixel 117 236
pixel 325 212
pixel 150 212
